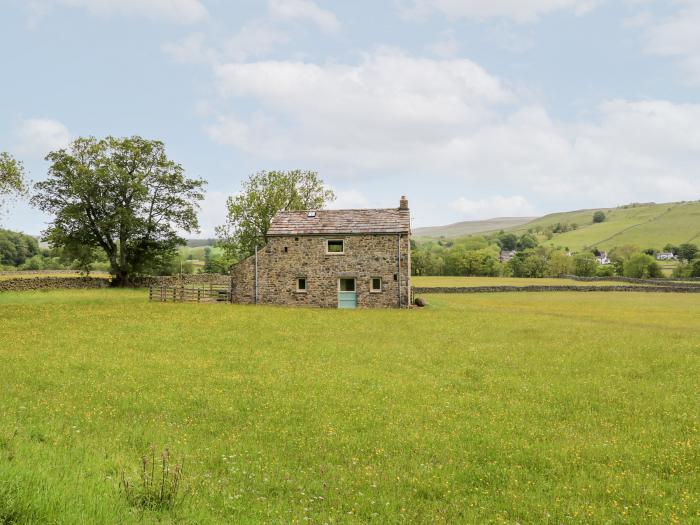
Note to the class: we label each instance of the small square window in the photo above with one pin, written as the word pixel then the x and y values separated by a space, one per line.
pixel 375 284
pixel 301 284
pixel 335 246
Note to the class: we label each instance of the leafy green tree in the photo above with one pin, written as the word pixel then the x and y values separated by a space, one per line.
pixel 687 251
pixel 12 177
pixel 507 241
pixel 121 195
pixel 695 270
pixel 16 248
pixel 526 242
pixel 264 194
pixel 642 266
pixel 599 217
pixel 528 263
pixel 559 264
pixel 585 265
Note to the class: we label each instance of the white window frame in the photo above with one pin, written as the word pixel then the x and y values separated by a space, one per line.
pixel 335 240
pixel 306 285
pixel 372 289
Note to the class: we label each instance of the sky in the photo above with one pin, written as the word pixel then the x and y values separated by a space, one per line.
pixel 472 108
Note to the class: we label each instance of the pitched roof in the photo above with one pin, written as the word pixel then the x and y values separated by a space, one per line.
pixel 386 220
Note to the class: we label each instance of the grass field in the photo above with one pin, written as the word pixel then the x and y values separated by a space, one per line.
pixel 454 282
pixel 490 408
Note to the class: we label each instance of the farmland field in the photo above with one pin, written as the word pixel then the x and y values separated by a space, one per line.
pixel 488 408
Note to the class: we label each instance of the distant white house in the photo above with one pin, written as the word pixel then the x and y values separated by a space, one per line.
pixel 603 258
pixel 665 256
pixel 507 255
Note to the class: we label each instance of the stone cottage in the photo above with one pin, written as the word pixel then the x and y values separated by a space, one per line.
pixel 331 259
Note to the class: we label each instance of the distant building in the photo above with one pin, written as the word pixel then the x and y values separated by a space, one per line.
pixel 603 259
pixel 665 256
pixel 506 255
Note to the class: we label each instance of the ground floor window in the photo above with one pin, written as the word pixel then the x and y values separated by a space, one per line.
pixel 301 284
pixel 375 284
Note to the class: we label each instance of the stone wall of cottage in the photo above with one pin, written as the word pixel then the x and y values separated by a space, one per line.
pixel 285 259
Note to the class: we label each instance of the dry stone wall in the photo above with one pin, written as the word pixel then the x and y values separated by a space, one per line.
pixel 51 283
pixel 285 259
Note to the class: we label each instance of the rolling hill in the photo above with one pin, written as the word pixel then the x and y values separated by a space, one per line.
pixel 462 229
pixel 645 225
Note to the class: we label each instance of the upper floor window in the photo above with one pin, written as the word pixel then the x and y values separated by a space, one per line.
pixel 335 246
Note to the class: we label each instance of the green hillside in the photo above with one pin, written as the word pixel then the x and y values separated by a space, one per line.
pixel 648 225
pixel 464 228
pixel 644 225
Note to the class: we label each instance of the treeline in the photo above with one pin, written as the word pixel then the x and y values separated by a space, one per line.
pixel 480 256
pixel 19 251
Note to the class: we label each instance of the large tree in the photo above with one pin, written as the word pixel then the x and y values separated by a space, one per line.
pixel 264 194
pixel 121 195
pixel 11 177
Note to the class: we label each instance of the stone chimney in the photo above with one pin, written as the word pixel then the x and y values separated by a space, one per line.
pixel 403 203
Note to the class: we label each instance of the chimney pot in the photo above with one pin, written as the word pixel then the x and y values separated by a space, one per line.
pixel 403 203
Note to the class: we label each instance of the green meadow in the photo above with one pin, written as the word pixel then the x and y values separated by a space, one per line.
pixel 489 408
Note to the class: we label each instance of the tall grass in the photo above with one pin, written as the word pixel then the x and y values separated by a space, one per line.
pixel 504 408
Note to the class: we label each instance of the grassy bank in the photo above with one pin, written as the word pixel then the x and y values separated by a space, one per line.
pixel 506 408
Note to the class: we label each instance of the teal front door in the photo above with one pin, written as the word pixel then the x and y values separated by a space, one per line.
pixel 347 296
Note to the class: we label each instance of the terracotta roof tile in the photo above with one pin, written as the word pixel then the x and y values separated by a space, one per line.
pixel 387 220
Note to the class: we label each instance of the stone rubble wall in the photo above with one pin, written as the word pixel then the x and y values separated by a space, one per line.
pixel 103 281
pixel 52 283
pixel 688 281
pixel 182 280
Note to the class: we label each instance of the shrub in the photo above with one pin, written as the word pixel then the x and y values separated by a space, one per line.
pixel 598 217
pixel 605 270
pixel 695 271
pixel 585 265
pixel 642 266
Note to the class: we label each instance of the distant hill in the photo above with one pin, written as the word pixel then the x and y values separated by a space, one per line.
pixel 647 225
pixel 198 243
pixel 462 229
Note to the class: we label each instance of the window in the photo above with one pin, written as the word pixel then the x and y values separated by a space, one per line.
pixel 301 285
pixel 335 246
pixel 375 284
pixel 285 249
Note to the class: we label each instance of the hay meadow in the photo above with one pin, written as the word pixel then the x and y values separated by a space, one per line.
pixel 504 408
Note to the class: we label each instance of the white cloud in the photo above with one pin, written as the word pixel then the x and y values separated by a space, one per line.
pixel 348 199
pixel 678 36
pixel 451 120
pixel 178 11
pixel 305 10
pixel 517 10
pixel 37 137
pixel 496 206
